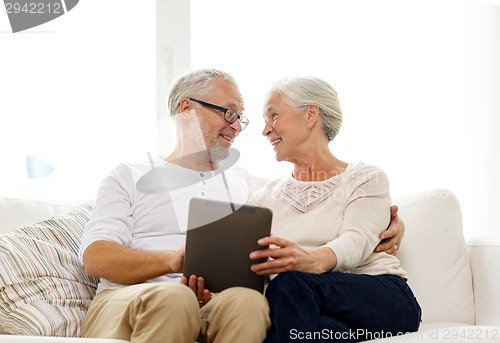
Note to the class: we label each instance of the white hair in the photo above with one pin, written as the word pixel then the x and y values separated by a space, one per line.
pixel 300 92
pixel 197 84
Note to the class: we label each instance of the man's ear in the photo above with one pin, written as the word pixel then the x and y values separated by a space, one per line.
pixel 312 113
pixel 185 108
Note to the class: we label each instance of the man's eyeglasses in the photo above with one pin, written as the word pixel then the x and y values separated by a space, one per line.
pixel 229 115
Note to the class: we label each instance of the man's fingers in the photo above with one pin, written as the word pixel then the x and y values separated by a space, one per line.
pixel 200 285
pixel 207 296
pixel 389 246
pixel 193 284
pixel 394 211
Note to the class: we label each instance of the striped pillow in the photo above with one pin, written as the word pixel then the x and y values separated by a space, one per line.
pixel 43 288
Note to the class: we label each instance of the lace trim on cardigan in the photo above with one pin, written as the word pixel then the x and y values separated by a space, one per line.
pixel 303 198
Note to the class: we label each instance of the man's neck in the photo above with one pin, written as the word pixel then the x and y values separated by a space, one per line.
pixel 199 161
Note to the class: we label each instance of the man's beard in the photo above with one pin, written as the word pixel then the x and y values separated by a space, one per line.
pixel 215 151
pixel 209 142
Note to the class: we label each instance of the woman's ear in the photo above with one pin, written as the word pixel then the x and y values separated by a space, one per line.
pixel 312 115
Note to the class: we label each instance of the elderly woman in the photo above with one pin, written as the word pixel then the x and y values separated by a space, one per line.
pixel 328 215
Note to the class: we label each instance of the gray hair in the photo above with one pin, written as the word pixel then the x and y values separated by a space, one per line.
pixel 197 84
pixel 301 92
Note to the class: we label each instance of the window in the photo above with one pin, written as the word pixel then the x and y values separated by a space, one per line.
pixel 77 96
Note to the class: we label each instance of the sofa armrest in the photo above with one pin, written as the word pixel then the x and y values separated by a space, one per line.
pixel 484 256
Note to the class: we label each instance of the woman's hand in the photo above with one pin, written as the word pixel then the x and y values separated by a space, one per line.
pixel 287 256
pixel 197 284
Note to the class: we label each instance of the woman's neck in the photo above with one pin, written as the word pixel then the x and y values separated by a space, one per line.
pixel 318 169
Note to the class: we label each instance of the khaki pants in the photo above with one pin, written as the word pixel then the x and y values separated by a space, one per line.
pixel 169 312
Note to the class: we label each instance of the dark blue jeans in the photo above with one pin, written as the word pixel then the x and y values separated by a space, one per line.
pixel 339 307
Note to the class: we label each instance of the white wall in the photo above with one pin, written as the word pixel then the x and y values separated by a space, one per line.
pixel 484 118
pixel 418 84
pixel 403 73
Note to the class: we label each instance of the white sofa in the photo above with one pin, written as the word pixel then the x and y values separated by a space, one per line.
pixel 454 281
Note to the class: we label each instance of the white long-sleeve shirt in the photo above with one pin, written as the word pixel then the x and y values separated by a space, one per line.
pixel 156 222
pixel 346 213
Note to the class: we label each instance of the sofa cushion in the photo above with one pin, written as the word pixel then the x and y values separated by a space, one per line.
pixel 17 212
pixel 44 289
pixel 434 254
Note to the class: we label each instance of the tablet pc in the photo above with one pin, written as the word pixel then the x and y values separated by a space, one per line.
pixel 219 241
